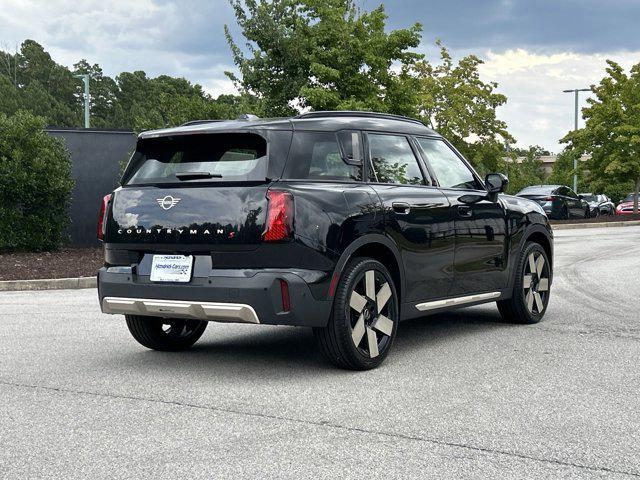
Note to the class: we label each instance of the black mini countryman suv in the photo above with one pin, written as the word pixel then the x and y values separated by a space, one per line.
pixel 346 222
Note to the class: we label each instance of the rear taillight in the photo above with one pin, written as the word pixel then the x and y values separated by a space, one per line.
pixel 549 199
pixel 102 218
pixel 279 216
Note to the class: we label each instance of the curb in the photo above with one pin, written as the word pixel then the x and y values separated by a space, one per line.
pixel 48 284
pixel 573 226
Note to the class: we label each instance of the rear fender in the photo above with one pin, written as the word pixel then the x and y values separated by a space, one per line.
pixel 351 251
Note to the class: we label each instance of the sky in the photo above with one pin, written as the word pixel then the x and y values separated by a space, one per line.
pixel 533 49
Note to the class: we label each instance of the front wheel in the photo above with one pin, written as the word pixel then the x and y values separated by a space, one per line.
pixel 165 334
pixel 364 319
pixel 531 289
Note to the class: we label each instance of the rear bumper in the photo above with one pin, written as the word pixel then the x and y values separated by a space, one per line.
pixel 225 296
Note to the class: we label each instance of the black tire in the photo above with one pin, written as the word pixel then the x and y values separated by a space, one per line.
pixel 165 334
pixel 522 308
pixel 355 314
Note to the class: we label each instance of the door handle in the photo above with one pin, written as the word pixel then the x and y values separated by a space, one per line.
pixel 465 211
pixel 401 208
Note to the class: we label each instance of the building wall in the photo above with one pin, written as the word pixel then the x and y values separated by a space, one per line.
pixel 95 155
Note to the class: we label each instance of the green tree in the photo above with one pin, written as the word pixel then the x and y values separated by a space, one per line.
pixel 35 184
pixel 454 100
pixel 525 172
pixel 331 55
pixel 323 55
pixel 30 80
pixel 103 94
pixel 562 173
pixel 611 134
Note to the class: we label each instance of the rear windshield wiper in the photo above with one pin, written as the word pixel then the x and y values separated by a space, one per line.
pixel 194 175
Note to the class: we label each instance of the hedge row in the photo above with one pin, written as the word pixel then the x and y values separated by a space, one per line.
pixel 35 185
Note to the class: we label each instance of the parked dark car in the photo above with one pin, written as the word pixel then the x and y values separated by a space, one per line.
pixel 598 204
pixel 346 222
pixel 558 201
pixel 625 207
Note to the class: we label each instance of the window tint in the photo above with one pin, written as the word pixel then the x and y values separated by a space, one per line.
pixel 228 157
pixel 450 170
pixel 316 155
pixel 393 161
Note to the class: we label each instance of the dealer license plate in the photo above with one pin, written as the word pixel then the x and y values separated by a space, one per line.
pixel 171 268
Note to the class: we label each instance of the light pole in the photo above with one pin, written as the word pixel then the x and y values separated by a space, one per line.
pixel 575 159
pixel 85 78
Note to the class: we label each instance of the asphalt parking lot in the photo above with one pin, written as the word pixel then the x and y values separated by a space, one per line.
pixel 461 396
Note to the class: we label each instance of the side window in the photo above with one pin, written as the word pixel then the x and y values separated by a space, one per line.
pixel 450 170
pixel 317 156
pixel 393 161
pixel 570 193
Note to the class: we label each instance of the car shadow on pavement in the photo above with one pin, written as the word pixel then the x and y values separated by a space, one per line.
pixel 278 351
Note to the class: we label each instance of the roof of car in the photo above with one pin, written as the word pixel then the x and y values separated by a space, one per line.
pixel 311 121
pixel 545 187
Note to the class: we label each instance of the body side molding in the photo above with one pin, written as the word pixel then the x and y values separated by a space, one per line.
pixel 452 302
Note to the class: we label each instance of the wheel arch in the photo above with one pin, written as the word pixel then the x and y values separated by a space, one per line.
pixel 543 236
pixel 378 247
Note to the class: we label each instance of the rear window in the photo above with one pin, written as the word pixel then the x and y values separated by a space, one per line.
pixel 537 190
pixel 590 197
pixel 195 158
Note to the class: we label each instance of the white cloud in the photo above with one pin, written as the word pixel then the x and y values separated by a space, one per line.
pixel 537 111
pixel 171 38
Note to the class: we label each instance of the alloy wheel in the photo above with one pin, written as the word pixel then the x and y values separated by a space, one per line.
pixel 536 283
pixel 371 313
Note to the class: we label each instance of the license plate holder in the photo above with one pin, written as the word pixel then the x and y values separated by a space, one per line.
pixel 171 268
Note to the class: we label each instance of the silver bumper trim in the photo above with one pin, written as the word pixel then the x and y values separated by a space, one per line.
pixel 452 302
pixel 218 312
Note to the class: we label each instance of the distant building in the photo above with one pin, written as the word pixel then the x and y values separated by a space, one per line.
pixel 547 161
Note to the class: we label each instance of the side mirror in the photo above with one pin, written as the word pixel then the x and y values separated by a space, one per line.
pixel 496 182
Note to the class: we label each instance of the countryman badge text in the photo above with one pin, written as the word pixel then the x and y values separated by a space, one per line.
pixel 169 231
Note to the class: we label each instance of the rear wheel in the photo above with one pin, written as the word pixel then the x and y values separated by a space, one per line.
pixel 531 290
pixel 364 319
pixel 165 334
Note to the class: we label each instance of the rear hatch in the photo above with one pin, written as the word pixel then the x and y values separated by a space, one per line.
pixel 191 191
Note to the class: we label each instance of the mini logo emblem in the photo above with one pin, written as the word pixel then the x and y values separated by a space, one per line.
pixel 167 202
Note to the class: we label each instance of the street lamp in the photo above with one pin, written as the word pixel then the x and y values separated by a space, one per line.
pixel 85 78
pixel 575 159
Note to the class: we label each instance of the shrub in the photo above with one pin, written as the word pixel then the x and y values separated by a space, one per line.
pixel 35 185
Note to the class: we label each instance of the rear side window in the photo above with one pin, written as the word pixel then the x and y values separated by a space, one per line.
pixel 317 156
pixel 393 161
pixel 203 157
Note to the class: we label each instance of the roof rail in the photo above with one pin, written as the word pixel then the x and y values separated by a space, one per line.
pixel 356 113
pixel 199 122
